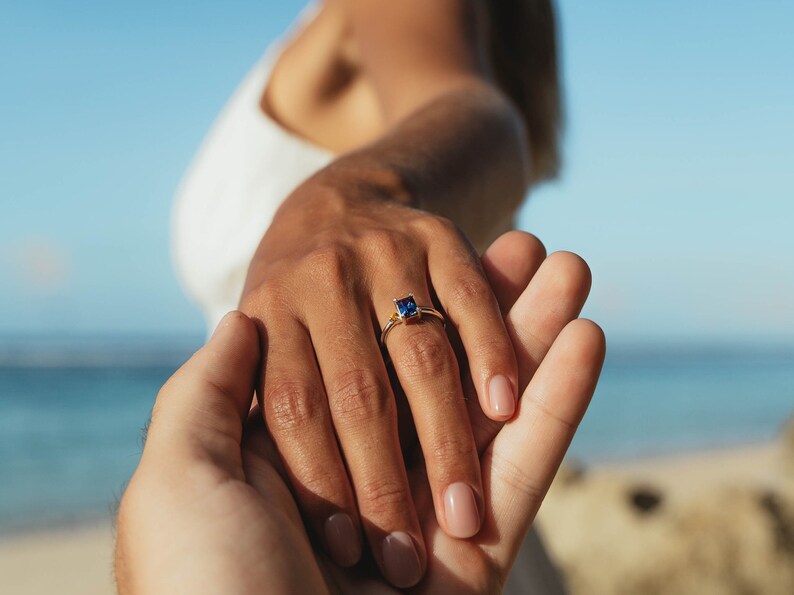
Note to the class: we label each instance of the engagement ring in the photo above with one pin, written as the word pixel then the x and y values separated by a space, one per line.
pixel 407 311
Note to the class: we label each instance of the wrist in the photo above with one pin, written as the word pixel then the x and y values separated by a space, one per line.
pixel 357 179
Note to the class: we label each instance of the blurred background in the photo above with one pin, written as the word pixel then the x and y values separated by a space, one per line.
pixel 677 188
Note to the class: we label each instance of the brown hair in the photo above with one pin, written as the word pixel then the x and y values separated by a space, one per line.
pixel 523 46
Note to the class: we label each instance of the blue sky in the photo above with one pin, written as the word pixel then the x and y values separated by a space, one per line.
pixel 678 186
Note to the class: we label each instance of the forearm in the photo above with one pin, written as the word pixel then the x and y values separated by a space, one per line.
pixel 462 156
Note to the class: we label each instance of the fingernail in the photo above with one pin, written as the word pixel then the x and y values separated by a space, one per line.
pixel 460 509
pixel 342 539
pixel 500 394
pixel 400 561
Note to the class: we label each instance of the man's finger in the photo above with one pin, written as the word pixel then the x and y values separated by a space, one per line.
pixel 554 296
pixel 521 462
pixel 209 397
pixel 509 263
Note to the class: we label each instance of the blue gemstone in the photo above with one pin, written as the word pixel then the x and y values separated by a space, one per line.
pixel 406 307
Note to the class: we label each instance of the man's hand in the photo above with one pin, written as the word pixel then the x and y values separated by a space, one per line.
pixel 208 510
pixel 193 519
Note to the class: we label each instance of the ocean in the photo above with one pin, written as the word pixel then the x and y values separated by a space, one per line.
pixel 71 414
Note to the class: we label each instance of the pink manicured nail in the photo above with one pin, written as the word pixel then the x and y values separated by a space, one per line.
pixel 500 395
pixel 342 539
pixel 460 509
pixel 400 561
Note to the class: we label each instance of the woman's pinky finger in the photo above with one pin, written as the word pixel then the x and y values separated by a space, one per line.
pixel 469 302
pixel 518 467
pixel 509 263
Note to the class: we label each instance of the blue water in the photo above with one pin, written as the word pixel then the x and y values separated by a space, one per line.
pixel 658 401
pixel 70 425
pixel 71 419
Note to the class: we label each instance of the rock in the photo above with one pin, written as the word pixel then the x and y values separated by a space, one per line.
pixel 645 499
pixel 781 517
pixel 613 535
pixel 787 447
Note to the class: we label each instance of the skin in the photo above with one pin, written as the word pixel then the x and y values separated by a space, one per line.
pixel 401 210
pixel 208 510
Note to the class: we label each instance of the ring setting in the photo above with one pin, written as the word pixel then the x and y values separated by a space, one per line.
pixel 407 311
pixel 406 307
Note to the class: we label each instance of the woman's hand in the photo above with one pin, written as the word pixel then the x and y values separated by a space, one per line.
pixel 208 511
pixel 320 288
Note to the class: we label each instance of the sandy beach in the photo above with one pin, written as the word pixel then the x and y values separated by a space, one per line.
pixel 704 522
pixel 719 522
pixel 74 560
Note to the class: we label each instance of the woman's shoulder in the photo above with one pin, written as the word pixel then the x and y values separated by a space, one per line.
pixel 316 89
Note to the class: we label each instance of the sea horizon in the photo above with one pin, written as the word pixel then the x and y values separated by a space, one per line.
pixel 71 412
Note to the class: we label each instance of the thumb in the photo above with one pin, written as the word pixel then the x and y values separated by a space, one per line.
pixel 210 395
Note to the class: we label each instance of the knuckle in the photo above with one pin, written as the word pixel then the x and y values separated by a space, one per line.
pixel 290 404
pixel 317 481
pixel 358 395
pixel 515 477
pixel 437 226
pixel 551 415
pixel 470 290
pixel 425 354
pixel 384 495
pixel 450 450
pixel 386 244
pixel 493 347
pixel 248 303
pixel 267 297
pixel 330 264
pixel 445 225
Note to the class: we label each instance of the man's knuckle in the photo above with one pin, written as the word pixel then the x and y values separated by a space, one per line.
pixel 538 402
pixel 515 477
pixel 292 403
